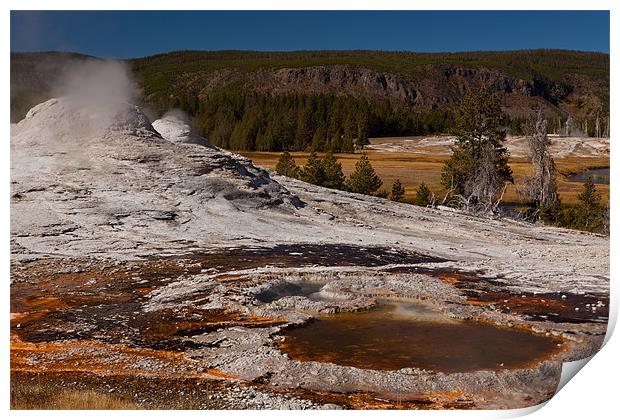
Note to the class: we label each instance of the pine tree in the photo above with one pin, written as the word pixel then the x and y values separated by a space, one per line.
pixel 244 133
pixel 303 133
pixel 589 210
pixel 332 172
pixel 364 179
pixel 312 172
pixel 362 140
pixel 286 166
pixel 398 191
pixel 362 131
pixel 318 140
pixel 347 143
pixel 336 144
pixel 478 167
pixel 265 140
pixel 422 195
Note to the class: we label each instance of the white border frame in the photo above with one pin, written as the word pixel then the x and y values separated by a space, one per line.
pixel 591 395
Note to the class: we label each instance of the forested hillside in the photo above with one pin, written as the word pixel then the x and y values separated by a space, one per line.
pixel 331 100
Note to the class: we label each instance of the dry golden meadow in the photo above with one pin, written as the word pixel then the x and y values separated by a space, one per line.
pixel 414 168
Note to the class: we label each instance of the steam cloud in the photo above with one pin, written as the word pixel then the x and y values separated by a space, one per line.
pixel 177 114
pixel 97 83
pixel 98 94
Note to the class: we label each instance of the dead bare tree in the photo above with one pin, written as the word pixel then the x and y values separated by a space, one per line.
pixel 487 183
pixel 542 186
pixel 606 131
pixel 569 126
pixel 605 221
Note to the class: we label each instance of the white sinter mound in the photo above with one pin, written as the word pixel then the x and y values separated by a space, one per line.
pixel 87 180
pixel 104 182
pixel 173 128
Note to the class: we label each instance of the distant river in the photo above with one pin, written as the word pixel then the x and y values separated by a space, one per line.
pixel 599 176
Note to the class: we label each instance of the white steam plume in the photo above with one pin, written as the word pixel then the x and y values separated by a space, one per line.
pixel 97 83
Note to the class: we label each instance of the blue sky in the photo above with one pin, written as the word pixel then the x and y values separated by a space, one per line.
pixel 124 34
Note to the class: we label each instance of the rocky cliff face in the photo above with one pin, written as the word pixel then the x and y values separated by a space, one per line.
pixel 437 87
pixel 438 84
pixel 342 80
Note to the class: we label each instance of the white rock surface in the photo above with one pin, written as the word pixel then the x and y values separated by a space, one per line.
pixel 94 183
pixel 561 146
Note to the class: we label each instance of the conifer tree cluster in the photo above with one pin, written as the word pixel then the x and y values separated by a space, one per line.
pixel 324 172
pixel 327 172
pixel 235 119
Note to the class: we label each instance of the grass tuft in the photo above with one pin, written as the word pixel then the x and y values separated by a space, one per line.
pixel 26 396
